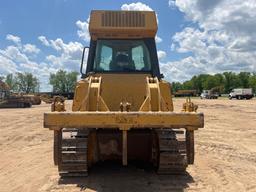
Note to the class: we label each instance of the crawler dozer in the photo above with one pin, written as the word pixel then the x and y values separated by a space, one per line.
pixel 35 99
pixel 122 108
pixel 11 100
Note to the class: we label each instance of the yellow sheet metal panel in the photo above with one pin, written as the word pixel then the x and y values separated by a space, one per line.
pixel 122 24
pixel 80 95
pixel 116 88
pixel 165 89
pixel 57 120
pixel 154 97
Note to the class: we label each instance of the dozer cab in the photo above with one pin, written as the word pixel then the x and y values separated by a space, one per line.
pixel 122 108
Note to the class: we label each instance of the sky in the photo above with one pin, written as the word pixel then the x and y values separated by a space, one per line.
pixel 194 36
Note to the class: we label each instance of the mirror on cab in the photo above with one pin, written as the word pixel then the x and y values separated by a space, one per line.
pixel 84 60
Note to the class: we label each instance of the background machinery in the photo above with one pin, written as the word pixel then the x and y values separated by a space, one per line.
pixel 186 93
pixel 10 100
pixel 122 108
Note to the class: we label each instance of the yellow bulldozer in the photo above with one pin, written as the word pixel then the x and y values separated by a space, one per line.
pixel 122 108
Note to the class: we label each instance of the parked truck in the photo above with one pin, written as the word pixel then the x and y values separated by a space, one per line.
pixel 241 93
pixel 209 94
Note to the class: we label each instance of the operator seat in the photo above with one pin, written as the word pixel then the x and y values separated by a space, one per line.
pixel 123 58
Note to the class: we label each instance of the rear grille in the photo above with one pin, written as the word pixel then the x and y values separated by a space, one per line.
pixel 123 19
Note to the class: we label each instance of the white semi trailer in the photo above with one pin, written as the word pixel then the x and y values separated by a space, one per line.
pixel 241 93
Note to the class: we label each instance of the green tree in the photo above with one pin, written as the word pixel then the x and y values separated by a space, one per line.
pixel 231 81
pixel 220 83
pixel 176 86
pixel 244 79
pixel 252 82
pixel 26 82
pixel 188 85
pixel 11 81
pixel 209 82
pixel 200 82
pixel 63 81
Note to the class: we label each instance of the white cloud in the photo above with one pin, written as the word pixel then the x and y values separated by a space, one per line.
pixel 181 70
pixel 14 53
pixel 172 3
pixel 6 65
pixel 83 31
pixel 57 44
pixel 43 40
pixel 23 58
pixel 29 48
pixel 68 54
pixel 224 39
pixel 136 7
pixel 13 38
pixel 158 39
pixel 161 54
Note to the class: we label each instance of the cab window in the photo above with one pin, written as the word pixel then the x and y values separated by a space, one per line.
pixel 122 55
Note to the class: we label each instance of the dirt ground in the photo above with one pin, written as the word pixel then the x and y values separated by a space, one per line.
pixel 225 155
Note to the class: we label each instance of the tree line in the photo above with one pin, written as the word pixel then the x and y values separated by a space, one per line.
pixel 22 82
pixel 61 81
pixel 220 82
pixel 65 82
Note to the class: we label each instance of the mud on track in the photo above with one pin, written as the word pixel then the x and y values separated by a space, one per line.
pixel 225 155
